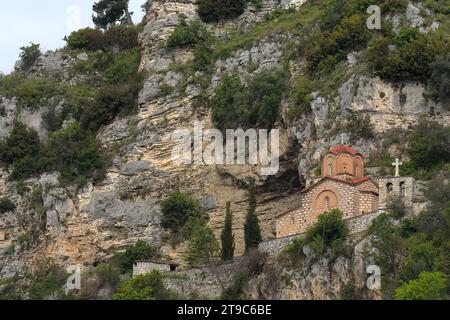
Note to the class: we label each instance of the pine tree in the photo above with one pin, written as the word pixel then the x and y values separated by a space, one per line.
pixel 108 12
pixel 252 231
pixel 227 236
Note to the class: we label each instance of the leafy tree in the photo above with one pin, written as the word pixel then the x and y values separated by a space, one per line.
pixel 141 250
pixel 215 10
pixel 252 230
pixel 428 286
pixel 330 231
pixel 178 208
pixel 227 110
pixel 6 205
pixel 21 142
pixel 109 12
pixel 144 287
pixel 47 281
pixel 227 236
pixel 203 247
pixel 263 97
pixel 29 55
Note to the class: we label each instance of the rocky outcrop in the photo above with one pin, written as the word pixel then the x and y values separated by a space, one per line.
pixel 85 226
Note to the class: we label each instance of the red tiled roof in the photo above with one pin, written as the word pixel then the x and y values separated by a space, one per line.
pixel 343 148
pixel 350 181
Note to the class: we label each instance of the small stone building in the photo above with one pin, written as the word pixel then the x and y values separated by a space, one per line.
pixel 396 187
pixel 144 267
pixel 343 185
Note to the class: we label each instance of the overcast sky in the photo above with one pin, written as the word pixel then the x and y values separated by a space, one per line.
pixel 45 22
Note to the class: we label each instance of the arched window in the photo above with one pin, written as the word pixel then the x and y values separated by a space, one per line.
pixel 357 170
pixel 330 169
pixel 402 189
pixel 327 203
pixel 389 188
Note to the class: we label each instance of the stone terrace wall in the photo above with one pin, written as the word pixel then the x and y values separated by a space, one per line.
pixel 355 225
pixel 203 282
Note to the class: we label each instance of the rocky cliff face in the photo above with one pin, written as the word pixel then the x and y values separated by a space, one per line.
pixel 85 226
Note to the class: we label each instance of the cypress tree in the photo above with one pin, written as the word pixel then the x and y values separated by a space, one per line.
pixel 252 231
pixel 227 236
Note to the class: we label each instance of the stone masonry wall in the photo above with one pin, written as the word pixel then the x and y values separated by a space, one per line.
pixel 352 202
pixel 355 225
pixel 140 268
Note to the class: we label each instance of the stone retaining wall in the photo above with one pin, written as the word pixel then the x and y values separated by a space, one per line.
pixel 355 225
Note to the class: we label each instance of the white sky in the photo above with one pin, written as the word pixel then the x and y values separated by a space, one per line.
pixel 45 22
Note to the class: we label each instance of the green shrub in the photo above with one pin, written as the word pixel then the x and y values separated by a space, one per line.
pixel 123 37
pixel 144 287
pixel 387 242
pixel 47 281
pixel 422 256
pixel 29 55
pixel 26 167
pixel 74 153
pixel 396 207
pixel 6 205
pixel 428 286
pixel 124 67
pixel 294 251
pixel 188 34
pixel 106 275
pixel 349 35
pixel 32 93
pixel 439 83
pixel 86 39
pixel 263 96
pixel 141 250
pixel 428 145
pixel 236 289
pixel 178 208
pixel 203 57
pixel 330 231
pixel 111 101
pixel 227 109
pixel 410 59
pixel 21 142
pixel 215 10
pixel 258 105
pixel 300 98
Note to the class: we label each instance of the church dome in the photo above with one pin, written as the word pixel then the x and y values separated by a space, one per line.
pixel 343 162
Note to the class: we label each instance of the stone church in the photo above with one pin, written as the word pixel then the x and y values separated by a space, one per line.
pixel 344 185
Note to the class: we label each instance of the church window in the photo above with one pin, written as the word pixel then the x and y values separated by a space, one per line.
pixel 389 187
pixel 293 220
pixel 357 170
pixel 402 189
pixel 327 203
pixel 330 169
